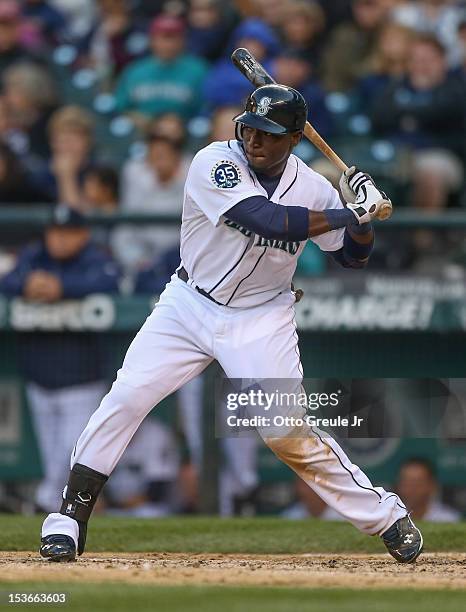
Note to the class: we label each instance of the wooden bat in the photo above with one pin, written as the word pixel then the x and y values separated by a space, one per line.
pixel 258 76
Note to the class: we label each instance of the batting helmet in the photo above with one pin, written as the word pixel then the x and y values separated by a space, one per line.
pixel 276 109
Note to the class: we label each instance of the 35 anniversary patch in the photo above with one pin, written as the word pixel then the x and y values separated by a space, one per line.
pixel 225 174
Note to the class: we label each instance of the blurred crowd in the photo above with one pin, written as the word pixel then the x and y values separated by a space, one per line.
pixel 102 106
pixel 104 103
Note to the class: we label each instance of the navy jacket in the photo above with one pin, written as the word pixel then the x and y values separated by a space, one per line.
pixel 224 84
pixel 432 118
pixel 61 359
pixel 152 280
pixel 91 271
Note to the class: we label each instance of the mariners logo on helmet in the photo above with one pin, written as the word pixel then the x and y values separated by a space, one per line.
pixel 277 109
pixel 263 106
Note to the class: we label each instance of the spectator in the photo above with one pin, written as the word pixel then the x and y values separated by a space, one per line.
pixel 151 280
pixel 30 95
pixel 426 111
pixel 167 81
pixel 115 39
pixel 392 50
pixel 188 483
pixel 461 70
pixel 239 476
pixel 148 9
pixel 154 184
pixel 79 15
pixel 101 189
pixel 101 192
pixel 293 69
pixel 170 125
pixel 64 372
pixel 303 29
pixel 439 18
pixel 271 12
pixel 12 49
pixel 144 483
pixel 8 134
pixel 258 37
pixel 308 504
pixel 49 21
pixel 222 126
pixel 418 488
pixel 5 121
pixel 70 133
pixel 336 12
pixel 351 45
pixel 16 186
pixel 208 29
pixel 225 85
pixel 390 61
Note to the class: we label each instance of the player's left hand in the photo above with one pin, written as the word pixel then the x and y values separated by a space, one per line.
pixel 362 195
pixel 351 182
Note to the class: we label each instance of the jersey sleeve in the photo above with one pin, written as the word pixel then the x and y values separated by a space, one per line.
pixel 333 240
pixel 216 183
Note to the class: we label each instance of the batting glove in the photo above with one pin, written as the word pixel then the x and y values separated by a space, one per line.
pixel 363 198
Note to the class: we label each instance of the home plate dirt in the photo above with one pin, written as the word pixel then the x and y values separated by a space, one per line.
pixel 439 570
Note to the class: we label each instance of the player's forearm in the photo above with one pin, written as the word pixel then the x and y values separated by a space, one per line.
pixel 337 218
pixel 357 247
pixel 318 224
pixel 362 234
pixel 292 223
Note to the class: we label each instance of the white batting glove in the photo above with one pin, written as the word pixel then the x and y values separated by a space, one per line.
pixel 363 198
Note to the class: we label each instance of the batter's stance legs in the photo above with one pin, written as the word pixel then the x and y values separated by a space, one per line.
pixel 160 361
pixel 170 349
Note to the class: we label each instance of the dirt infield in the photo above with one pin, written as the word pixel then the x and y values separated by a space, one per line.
pixel 313 570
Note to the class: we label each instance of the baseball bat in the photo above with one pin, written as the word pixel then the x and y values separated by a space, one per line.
pixel 258 76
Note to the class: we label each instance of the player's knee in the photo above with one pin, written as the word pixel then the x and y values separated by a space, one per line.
pixel 283 447
pixel 127 398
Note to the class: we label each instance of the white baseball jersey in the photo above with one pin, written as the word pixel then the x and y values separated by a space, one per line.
pixel 235 266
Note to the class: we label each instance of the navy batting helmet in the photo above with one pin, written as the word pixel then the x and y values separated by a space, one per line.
pixel 276 109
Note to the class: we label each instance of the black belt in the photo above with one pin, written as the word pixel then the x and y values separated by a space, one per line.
pixel 183 275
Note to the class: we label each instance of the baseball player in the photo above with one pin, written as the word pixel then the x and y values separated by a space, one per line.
pixel 250 205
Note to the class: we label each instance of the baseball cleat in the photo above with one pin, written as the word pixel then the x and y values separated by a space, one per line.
pixel 57 547
pixel 403 540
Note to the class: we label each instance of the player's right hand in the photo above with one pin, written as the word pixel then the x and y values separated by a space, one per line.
pixel 360 192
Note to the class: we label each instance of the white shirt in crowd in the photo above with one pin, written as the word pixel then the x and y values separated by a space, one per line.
pixel 142 192
pixel 299 511
pixel 443 23
pixel 441 513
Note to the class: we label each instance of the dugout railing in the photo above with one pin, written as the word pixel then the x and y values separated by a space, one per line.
pixel 37 217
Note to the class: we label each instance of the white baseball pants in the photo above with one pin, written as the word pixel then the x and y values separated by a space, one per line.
pixel 182 336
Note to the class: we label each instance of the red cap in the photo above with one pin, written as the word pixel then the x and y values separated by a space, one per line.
pixel 9 10
pixel 167 24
